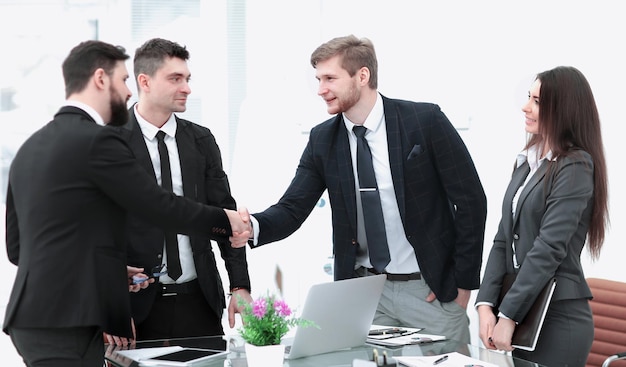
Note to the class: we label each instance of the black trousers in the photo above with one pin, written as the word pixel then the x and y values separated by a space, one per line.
pixel 59 347
pixel 179 316
pixel 566 335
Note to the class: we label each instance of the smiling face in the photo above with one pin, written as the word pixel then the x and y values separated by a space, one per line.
pixel 167 90
pixel 340 90
pixel 531 108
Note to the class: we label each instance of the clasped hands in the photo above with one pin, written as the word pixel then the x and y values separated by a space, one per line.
pixel 240 225
pixel 495 333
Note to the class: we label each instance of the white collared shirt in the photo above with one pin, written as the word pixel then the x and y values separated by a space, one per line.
pixel 531 155
pixel 403 258
pixel 149 132
pixel 87 108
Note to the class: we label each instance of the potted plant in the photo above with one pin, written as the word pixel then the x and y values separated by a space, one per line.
pixel 265 321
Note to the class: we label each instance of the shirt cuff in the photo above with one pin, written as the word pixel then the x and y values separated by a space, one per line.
pixel 483 304
pixel 254 241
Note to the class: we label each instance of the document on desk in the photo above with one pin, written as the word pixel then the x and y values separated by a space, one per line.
pixel 453 359
pixel 390 336
pixel 409 339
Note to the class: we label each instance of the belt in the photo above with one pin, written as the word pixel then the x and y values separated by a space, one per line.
pixel 190 287
pixel 397 277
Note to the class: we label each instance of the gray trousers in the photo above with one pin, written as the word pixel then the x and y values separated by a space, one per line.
pixel 403 303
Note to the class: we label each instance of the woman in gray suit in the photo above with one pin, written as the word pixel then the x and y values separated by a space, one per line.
pixel 555 203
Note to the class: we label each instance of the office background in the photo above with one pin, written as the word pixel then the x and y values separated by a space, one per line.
pixel 253 86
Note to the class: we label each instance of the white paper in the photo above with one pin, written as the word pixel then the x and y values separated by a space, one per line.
pixel 410 336
pixel 417 338
pixel 362 363
pixel 454 360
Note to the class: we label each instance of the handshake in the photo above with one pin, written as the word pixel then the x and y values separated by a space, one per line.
pixel 241 227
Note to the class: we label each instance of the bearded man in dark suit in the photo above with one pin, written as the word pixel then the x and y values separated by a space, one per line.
pixel 70 186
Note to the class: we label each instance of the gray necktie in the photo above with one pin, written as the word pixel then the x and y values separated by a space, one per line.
pixel 174 270
pixel 370 200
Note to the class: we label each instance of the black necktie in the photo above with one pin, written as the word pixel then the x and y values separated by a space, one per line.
pixel 370 201
pixel 171 241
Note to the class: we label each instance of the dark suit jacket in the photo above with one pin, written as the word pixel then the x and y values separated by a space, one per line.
pixel 441 200
pixel 204 181
pixel 549 231
pixel 70 186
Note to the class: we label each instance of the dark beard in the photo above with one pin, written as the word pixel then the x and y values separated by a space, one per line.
pixel 119 113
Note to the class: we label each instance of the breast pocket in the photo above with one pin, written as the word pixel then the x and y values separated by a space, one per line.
pixel 415 152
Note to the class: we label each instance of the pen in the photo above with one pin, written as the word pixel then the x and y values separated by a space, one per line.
pixel 442 359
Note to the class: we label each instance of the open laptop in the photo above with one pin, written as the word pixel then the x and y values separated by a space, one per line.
pixel 343 310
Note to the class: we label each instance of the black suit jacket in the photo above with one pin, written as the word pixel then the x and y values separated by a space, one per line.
pixel 70 185
pixel 441 200
pixel 204 181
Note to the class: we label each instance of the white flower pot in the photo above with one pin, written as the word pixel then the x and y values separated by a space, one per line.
pixel 265 356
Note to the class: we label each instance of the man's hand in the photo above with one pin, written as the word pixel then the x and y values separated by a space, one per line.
pixel 462 299
pixel 234 307
pixel 137 280
pixel 121 341
pixel 241 227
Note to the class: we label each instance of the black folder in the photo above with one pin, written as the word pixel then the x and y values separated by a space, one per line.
pixel 527 331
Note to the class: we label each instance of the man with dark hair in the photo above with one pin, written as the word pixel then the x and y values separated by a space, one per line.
pixel 192 302
pixel 69 190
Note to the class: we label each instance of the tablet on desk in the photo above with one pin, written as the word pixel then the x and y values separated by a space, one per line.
pixel 182 358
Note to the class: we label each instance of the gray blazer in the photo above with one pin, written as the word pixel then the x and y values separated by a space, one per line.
pixel 549 231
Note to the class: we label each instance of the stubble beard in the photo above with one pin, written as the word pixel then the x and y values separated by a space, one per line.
pixel 349 100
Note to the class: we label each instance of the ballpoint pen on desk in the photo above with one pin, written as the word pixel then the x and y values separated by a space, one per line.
pixel 440 360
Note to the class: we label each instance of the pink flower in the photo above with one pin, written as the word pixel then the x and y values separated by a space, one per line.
pixel 282 309
pixel 259 307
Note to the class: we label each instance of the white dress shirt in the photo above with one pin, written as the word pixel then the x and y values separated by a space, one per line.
pixel 149 132
pixel 403 258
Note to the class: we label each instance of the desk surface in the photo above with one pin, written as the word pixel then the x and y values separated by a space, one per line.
pixel 342 358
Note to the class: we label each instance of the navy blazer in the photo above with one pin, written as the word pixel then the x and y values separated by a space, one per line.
pixel 440 197
pixel 549 231
pixel 70 186
pixel 204 181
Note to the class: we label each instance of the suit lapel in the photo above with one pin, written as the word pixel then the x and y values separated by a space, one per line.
pixel 189 165
pixel 396 154
pixel 344 164
pixel 534 180
pixel 137 143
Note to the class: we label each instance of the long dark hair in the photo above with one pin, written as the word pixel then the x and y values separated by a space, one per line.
pixel 569 120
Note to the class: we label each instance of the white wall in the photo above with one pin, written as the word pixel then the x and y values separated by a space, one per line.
pixel 475 59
